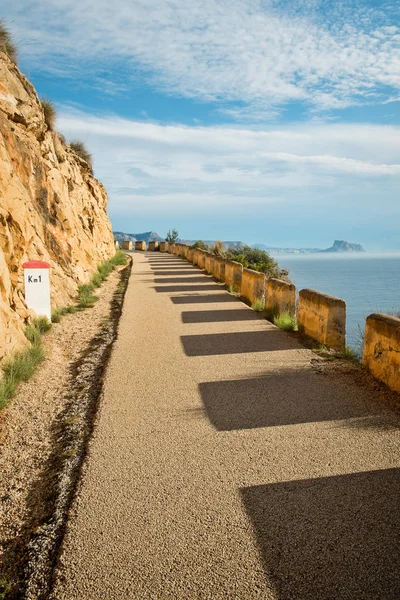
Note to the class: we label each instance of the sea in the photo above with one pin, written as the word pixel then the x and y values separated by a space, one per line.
pixel 366 282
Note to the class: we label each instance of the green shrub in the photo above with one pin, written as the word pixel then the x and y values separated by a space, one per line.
pixel 350 354
pixel 6 43
pixel 80 149
pixel 258 305
pixel 286 321
pixel 96 280
pixel 119 258
pixel 42 324
pixel 49 113
pixel 22 365
pixel 104 269
pixel 86 298
pixel 256 259
pixel 202 245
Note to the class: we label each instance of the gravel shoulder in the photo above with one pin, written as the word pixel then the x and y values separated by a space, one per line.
pixel 42 439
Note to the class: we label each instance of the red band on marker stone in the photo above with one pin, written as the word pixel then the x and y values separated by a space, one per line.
pixel 36 264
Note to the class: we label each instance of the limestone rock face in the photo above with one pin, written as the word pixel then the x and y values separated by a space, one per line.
pixel 51 207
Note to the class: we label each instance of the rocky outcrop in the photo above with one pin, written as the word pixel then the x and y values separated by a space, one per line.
pixel 343 246
pixel 51 207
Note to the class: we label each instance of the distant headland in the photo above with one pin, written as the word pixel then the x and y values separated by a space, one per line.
pixel 337 246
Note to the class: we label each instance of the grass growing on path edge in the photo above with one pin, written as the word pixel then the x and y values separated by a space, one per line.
pixel 22 365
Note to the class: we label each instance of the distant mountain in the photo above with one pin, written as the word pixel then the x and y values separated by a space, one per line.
pixel 338 246
pixel 342 246
pixel 227 244
pixel 148 236
pixel 274 250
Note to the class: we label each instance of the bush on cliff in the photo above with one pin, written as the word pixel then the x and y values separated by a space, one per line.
pixel 80 149
pixel 49 113
pixel 256 259
pixel 6 44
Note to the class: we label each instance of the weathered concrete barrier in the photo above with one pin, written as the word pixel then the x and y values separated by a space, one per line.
pixel 126 245
pixel 280 296
pixel 233 275
pixel 163 246
pixel 154 246
pixel 189 255
pixel 253 286
pixel 185 250
pixel 171 248
pixel 322 318
pixel 116 244
pixel 219 268
pixel 196 253
pixel 209 263
pixel 382 349
pixel 140 245
pixel 201 258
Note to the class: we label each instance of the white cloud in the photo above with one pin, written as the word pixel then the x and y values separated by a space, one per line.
pixel 150 168
pixel 260 54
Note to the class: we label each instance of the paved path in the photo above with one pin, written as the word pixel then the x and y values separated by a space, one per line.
pixel 227 462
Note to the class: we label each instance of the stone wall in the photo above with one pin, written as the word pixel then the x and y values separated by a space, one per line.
pixel 322 318
pixel 319 316
pixel 126 245
pixel 219 268
pixel 280 296
pixel 253 286
pixel 382 349
pixel 154 246
pixel 233 275
pixel 140 246
pixel 209 263
pixel 163 246
pixel 52 208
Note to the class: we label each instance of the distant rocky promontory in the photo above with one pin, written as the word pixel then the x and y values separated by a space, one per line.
pixel 342 246
pixel 338 246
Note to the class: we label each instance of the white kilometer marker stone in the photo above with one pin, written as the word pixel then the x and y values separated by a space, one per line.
pixel 37 287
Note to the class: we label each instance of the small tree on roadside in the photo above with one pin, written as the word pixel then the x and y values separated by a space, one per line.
pixel 172 236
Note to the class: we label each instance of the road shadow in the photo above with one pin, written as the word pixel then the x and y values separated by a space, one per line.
pixel 286 397
pixel 194 279
pixel 169 271
pixel 239 342
pixel 331 538
pixel 203 298
pixel 186 288
pixel 218 316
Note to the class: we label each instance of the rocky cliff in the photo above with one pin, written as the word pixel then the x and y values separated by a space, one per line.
pixel 51 207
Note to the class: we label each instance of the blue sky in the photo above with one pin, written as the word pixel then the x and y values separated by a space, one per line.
pixel 272 121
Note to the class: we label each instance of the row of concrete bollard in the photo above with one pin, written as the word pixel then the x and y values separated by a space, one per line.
pixel 320 316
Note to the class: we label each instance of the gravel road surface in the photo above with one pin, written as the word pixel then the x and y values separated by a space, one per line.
pixel 228 461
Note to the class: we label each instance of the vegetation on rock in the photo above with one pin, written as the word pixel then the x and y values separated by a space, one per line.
pixel 6 43
pixel 80 149
pixel 49 113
